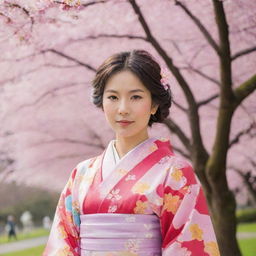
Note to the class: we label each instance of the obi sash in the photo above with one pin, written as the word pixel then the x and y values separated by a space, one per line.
pixel 135 234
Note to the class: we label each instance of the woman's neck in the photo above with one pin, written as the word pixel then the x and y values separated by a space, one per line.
pixel 125 144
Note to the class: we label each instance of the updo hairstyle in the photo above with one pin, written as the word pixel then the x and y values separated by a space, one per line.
pixel 146 68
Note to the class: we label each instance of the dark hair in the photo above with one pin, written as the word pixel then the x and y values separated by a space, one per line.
pixel 146 68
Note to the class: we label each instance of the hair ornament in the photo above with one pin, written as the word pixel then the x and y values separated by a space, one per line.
pixel 165 75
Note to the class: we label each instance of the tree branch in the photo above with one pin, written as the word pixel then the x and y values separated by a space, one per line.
pixel 183 153
pixel 206 101
pixel 179 106
pixel 68 140
pixel 94 2
pixel 55 52
pixel 23 58
pixel 11 80
pixel 177 130
pixel 112 36
pixel 249 181
pixel 97 137
pixel 200 26
pixel 199 150
pixel 24 10
pixel 70 58
pixel 225 58
pixel 244 90
pixel 84 5
pixel 8 19
pixel 47 93
pixel 199 72
pixel 243 52
pixel 161 51
pixel 240 134
pixel 60 66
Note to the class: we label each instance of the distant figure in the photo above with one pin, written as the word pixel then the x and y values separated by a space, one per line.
pixel 11 227
pixel 26 220
pixel 47 222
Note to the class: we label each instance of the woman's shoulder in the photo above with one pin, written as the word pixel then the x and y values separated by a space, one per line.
pixel 178 161
pixel 83 165
pixel 181 170
pixel 175 160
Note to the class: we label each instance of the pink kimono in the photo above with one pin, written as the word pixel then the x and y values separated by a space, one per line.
pixel 150 203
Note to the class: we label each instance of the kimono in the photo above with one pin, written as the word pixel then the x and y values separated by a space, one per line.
pixel 150 194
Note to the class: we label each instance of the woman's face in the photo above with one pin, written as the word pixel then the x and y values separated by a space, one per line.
pixel 126 98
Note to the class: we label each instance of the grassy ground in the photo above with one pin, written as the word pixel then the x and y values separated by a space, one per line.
pixel 22 236
pixel 248 247
pixel 247 227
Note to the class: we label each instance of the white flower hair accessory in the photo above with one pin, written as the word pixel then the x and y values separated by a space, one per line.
pixel 165 74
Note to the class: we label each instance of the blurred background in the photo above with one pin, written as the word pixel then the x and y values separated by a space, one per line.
pixel 50 51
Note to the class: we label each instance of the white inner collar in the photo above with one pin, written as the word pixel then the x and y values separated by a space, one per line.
pixel 115 154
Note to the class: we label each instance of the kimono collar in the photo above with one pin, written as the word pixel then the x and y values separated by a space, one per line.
pixel 116 157
pixel 111 157
pixel 115 154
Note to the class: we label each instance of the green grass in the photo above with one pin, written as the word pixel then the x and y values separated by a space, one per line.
pixel 22 236
pixel 248 247
pixel 247 227
pixel 246 215
pixel 36 251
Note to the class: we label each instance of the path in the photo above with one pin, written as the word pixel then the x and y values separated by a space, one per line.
pixel 246 235
pixel 23 244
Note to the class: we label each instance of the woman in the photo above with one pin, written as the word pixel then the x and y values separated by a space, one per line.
pixel 137 197
pixel 11 227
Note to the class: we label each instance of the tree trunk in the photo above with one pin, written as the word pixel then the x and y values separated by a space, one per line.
pixel 222 206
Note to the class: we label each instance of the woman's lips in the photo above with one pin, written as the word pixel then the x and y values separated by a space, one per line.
pixel 124 123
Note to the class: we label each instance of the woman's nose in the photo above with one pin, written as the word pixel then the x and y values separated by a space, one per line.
pixel 123 107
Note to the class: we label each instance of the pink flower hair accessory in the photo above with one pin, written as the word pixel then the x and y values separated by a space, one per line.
pixel 165 74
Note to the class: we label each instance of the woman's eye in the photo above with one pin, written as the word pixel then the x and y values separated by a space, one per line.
pixel 136 97
pixel 112 97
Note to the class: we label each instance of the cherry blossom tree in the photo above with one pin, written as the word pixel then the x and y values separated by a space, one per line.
pixel 51 49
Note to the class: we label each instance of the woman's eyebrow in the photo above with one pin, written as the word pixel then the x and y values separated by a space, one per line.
pixel 132 91
pixel 109 90
pixel 136 90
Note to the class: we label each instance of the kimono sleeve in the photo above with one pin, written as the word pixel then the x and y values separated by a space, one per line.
pixel 64 235
pixel 186 226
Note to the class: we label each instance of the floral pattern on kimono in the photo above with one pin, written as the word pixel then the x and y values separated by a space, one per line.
pixel 150 179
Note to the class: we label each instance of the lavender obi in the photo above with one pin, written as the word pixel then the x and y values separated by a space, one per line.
pixel 120 234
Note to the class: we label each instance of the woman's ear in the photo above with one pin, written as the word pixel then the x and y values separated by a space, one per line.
pixel 154 108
